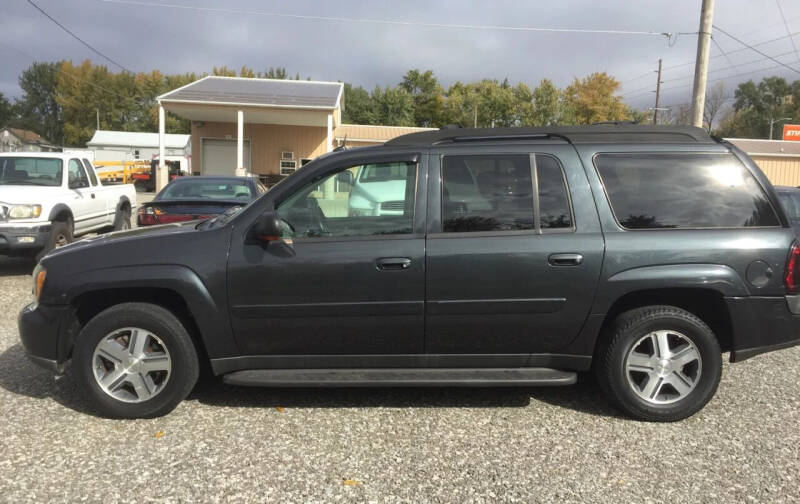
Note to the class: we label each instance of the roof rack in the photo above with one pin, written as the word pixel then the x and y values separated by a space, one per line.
pixel 601 133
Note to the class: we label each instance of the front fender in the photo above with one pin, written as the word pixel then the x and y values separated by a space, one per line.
pixel 210 314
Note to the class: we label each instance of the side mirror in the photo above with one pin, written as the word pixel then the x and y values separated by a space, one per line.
pixel 345 177
pixel 267 228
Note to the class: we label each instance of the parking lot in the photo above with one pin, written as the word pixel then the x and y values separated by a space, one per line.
pixel 430 445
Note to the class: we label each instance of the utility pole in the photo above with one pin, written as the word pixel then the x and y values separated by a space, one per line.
pixel 97 110
pixel 658 94
pixel 773 121
pixel 701 64
pixel 476 115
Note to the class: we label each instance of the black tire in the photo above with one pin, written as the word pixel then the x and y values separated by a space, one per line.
pixel 122 219
pixel 628 329
pixel 60 234
pixel 184 363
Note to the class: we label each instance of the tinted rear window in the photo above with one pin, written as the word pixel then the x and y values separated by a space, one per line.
pixel 652 191
pixel 201 189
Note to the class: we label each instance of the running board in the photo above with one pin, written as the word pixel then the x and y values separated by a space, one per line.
pixel 457 377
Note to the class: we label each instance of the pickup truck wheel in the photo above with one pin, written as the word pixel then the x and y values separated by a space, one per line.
pixel 659 363
pixel 122 219
pixel 135 360
pixel 60 235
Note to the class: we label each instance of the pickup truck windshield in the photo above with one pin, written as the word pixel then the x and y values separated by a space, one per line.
pixel 30 171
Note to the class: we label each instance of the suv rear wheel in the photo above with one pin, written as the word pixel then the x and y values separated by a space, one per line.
pixel 659 363
pixel 135 360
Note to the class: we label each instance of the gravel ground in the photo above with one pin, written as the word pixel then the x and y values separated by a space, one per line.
pixel 228 444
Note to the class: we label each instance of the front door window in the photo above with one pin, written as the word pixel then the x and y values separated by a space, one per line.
pixel 364 200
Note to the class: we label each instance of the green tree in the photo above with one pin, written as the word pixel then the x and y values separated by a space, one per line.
pixel 278 73
pixel 756 104
pixel 593 99
pixel 6 111
pixel 393 106
pixel 358 106
pixel 428 97
pixel 487 103
pixel 38 108
pixel 546 110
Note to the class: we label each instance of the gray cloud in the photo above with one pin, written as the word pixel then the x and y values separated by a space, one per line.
pixel 173 40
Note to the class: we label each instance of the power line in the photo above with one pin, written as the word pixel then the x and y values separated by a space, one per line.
pixel 384 21
pixel 692 62
pixel 760 70
pixel 73 77
pixel 759 60
pixel 756 50
pixel 719 47
pixel 786 24
pixel 51 18
pixel 758 44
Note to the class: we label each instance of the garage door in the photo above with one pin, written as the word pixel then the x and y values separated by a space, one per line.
pixel 219 157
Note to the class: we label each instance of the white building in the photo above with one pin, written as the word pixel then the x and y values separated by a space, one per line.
pixel 129 145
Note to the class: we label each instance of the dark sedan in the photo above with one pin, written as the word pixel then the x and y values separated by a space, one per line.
pixel 192 198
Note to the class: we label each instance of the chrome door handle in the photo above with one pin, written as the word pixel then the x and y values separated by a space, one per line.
pixel 565 259
pixel 393 263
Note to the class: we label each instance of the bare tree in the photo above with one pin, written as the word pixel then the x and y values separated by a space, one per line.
pixel 679 115
pixel 716 98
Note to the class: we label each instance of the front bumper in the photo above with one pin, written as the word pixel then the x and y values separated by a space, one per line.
pixel 45 335
pixel 763 324
pixel 22 238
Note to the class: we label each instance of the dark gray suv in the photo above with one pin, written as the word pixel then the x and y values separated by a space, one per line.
pixel 476 258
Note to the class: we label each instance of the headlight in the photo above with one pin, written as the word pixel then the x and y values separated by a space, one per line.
pixel 24 211
pixel 39 275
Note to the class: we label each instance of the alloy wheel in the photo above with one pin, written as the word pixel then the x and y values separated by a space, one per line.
pixel 131 364
pixel 663 367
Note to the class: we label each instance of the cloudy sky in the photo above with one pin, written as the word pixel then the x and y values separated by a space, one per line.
pixel 141 35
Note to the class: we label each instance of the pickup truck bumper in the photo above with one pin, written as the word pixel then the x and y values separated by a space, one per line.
pixel 763 324
pixel 45 336
pixel 21 239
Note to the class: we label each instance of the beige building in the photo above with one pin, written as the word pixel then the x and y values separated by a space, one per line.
pixel 265 127
pixel 778 159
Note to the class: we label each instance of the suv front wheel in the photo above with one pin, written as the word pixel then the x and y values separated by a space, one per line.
pixel 135 360
pixel 659 363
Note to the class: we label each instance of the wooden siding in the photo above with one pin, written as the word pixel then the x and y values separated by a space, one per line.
pixel 267 141
pixel 780 170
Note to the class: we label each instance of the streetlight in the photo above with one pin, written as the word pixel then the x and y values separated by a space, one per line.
pixel 773 121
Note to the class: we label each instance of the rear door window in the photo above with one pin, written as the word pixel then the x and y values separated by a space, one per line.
pixel 496 193
pixel 487 193
pixel 683 191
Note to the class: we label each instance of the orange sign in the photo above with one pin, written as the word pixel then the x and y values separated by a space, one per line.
pixel 791 132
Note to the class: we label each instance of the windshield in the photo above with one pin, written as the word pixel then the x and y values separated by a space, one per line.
pixel 30 171
pixel 791 204
pixel 208 190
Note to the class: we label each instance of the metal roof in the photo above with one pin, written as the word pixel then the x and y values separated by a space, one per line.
pixel 136 139
pixel 757 147
pixel 599 133
pixel 216 90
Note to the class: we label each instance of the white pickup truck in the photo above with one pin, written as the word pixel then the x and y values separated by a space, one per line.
pixel 48 198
